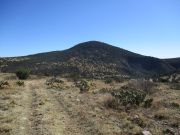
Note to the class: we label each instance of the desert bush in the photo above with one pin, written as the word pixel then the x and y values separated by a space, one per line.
pixel 20 83
pixel 148 102
pixel 141 84
pixel 23 73
pixel 128 97
pixel 83 86
pixel 4 84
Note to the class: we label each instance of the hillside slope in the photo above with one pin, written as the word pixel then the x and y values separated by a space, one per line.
pixel 90 59
pixel 175 62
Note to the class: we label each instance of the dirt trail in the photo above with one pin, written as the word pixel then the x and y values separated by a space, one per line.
pixel 43 115
pixel 42 111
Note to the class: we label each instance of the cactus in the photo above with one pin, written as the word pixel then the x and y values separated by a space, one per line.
pixel 126 97
pixel 83 86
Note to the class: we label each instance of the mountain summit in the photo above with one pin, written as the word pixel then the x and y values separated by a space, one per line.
pixel 89 59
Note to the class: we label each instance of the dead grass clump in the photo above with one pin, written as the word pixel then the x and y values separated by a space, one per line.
pixel 161 115
pixel 141 84
pixel 130 128
pixel 109 101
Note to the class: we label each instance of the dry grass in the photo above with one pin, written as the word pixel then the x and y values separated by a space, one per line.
pixel 94 111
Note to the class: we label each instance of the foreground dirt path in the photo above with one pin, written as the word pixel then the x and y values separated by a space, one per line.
pixel 42 111
pixel 47 116
pixel 28 111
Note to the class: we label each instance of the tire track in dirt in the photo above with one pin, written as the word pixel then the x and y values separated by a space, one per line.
pixel 84 125
pixel 37 126
pixel 63 124
pixel 48 117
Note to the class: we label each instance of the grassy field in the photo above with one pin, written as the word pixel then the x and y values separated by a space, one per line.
pixel 63 106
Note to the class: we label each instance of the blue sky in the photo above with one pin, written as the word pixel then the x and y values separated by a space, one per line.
pixel 149 27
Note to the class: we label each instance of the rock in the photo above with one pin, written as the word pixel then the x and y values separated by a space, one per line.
pixel 136 117
pixel 78 100
pixel 146 133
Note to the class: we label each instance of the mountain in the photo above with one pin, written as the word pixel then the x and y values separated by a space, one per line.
pixel 175 62
pixel 90 59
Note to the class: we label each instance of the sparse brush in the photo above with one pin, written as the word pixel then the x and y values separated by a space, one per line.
pixel 54 80
pixel 141 84
pixel 20 83
pixel 4 84
pixel 83 86
pixel 161 115
pixel 55 83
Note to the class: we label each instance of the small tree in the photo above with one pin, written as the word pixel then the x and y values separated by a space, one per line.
pixel 23 73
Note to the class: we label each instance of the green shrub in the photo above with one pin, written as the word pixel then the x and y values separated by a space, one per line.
pixel 20 83
pixel 23 73
pixel 128 97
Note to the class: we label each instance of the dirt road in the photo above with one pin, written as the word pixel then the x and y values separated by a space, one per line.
pixel 41 111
